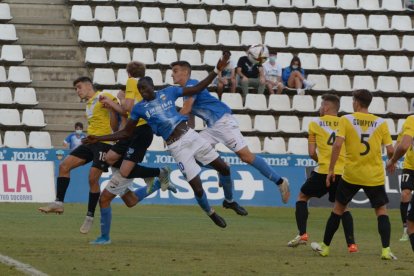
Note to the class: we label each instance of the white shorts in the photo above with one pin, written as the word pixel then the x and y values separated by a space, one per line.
pixel 225 131
pixel 117 185
pixel 189 148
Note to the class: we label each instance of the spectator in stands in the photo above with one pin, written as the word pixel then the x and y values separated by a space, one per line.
pixel 73 140
pixel 227 77
pixel 409 4
pixel 250 75
pixel 293 76
pixel 273 75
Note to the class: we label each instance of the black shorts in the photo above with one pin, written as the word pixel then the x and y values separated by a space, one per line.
pixel 134 148
pixel 376 194
pixel 93 152
pixel 407 179
pixel 315 186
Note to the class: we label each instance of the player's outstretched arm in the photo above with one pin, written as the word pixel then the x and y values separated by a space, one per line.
pixel 336 150
pixel 124 133
pixel 221 64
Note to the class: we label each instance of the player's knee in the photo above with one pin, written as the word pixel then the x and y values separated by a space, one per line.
pixel 64 168
pixel 406 195
pixel 247 157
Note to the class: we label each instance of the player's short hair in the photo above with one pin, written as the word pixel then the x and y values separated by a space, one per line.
pixel 136 69
pixel 182 63
pixel 146 79
pixel 82 79
pixel 334 99
pixel 79 124
pixel 363 97
pixel 226 52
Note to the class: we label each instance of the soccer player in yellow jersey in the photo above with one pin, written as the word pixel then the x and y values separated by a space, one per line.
pixel 322 133
pixel 101 121
pixel 405 146
pixel 363 135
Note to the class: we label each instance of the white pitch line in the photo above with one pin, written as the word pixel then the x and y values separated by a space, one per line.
pixel 25 268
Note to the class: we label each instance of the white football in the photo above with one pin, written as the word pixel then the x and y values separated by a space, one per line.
pixel 258 53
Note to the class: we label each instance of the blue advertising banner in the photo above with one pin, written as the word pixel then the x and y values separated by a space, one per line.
pixel 250 187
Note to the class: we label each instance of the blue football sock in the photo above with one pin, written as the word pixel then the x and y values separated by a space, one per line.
pixel 142 192
pixel 261 165
pixel 227 187
pixel 202 201
pixel 106 217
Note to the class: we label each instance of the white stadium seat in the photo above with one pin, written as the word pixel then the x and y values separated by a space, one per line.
pixel 233 100
pixel 288 124
pixel 298 146
pixel 308 61
pixel 378 22
pixel 389 42
pixel 376 63
pixel 104 76
pixel 3 78
pixel 392 5
pixel 387 84
pixel 257 3
pixel 40 140
pixel 81 13
pixel 105 14
pixel 311 20
pixel 279 102
pixel 12 53
pixel 377 106
pixel 306 120
pixel 243 18
pixel 197 17
pixel 166 56
pixel 347 4
pixel 182 36
pixel 220 18
pixel 289 19
pixel 236 3
pixel 340 83
pixel 33 118
pixel 15 139
pixel 245 122
pixel 211 57
pixel 346 104
pixel 5 96
pixel 205 37
pixel 284 59
pixel 334 21
pixel 251 37
pixel 325 3
pixel 303 103
pixel 370 5
pixel 400 124
pixel 302 4
pixel 145 55
pixel 199 74
pixel 364 82
pixel 5 12
pixel 89 34
pixel 399 64
pixel 135 35
pixel 321 41
pixel 266 19
pixel 119 55
pixel 228 38
pixel 353 63
pixel 9 117
pixel 121 76
pixel 397 105
pixel 274 145
pixel 366 42
pixel 191 56
pixel 330 62
pixel 255 102
pixel 408 42
pixel 112 34
pixel 8 33
pixel 128 14
pixel 159 35
pixel 275 39
pixel 391 125
pixel 356 22
pixel 253 142
pixel 96 55
pixel 298 40
pixel 280 3
pixel 169 80
pixel 157 144
pixel 344 41
pixel 190 2
pixel 264 123
pixel 151 15
pixel 320 81
pixel 19 74
pixel 407 84
pixel 174 16
pixel 401 23
pixel 25 96
pixel 156 76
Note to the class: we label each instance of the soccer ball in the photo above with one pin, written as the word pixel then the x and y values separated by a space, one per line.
pixel 258 53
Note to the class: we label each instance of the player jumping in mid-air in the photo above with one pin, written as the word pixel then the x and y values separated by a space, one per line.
pixel 322 133
pixel 363 135
pixel 222 127
pixel 406 146
pixel 185 145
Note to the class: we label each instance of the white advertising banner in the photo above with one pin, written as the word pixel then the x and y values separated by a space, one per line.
pixel 27 181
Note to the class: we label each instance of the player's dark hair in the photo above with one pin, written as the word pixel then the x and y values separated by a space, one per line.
pixel 147 80
pixel 296 59
pixel 82 79
pixel 136 69
pixel 79 124
pixel 334 99
pixel 182 63
pixel 226 52
pixel 363 97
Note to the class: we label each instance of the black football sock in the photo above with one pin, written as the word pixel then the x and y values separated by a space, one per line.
pixel 143 172
pixel 403 212
pixel 61 187
pixel 412 240
pixel 301 214
pixel 331 226
pixel 384 229
pixel 348 224
pixel 93 201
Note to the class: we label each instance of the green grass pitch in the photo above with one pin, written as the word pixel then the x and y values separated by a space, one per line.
pixel 181 240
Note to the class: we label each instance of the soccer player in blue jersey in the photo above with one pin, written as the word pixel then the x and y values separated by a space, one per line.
pixel 184 144
pixel 222 127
